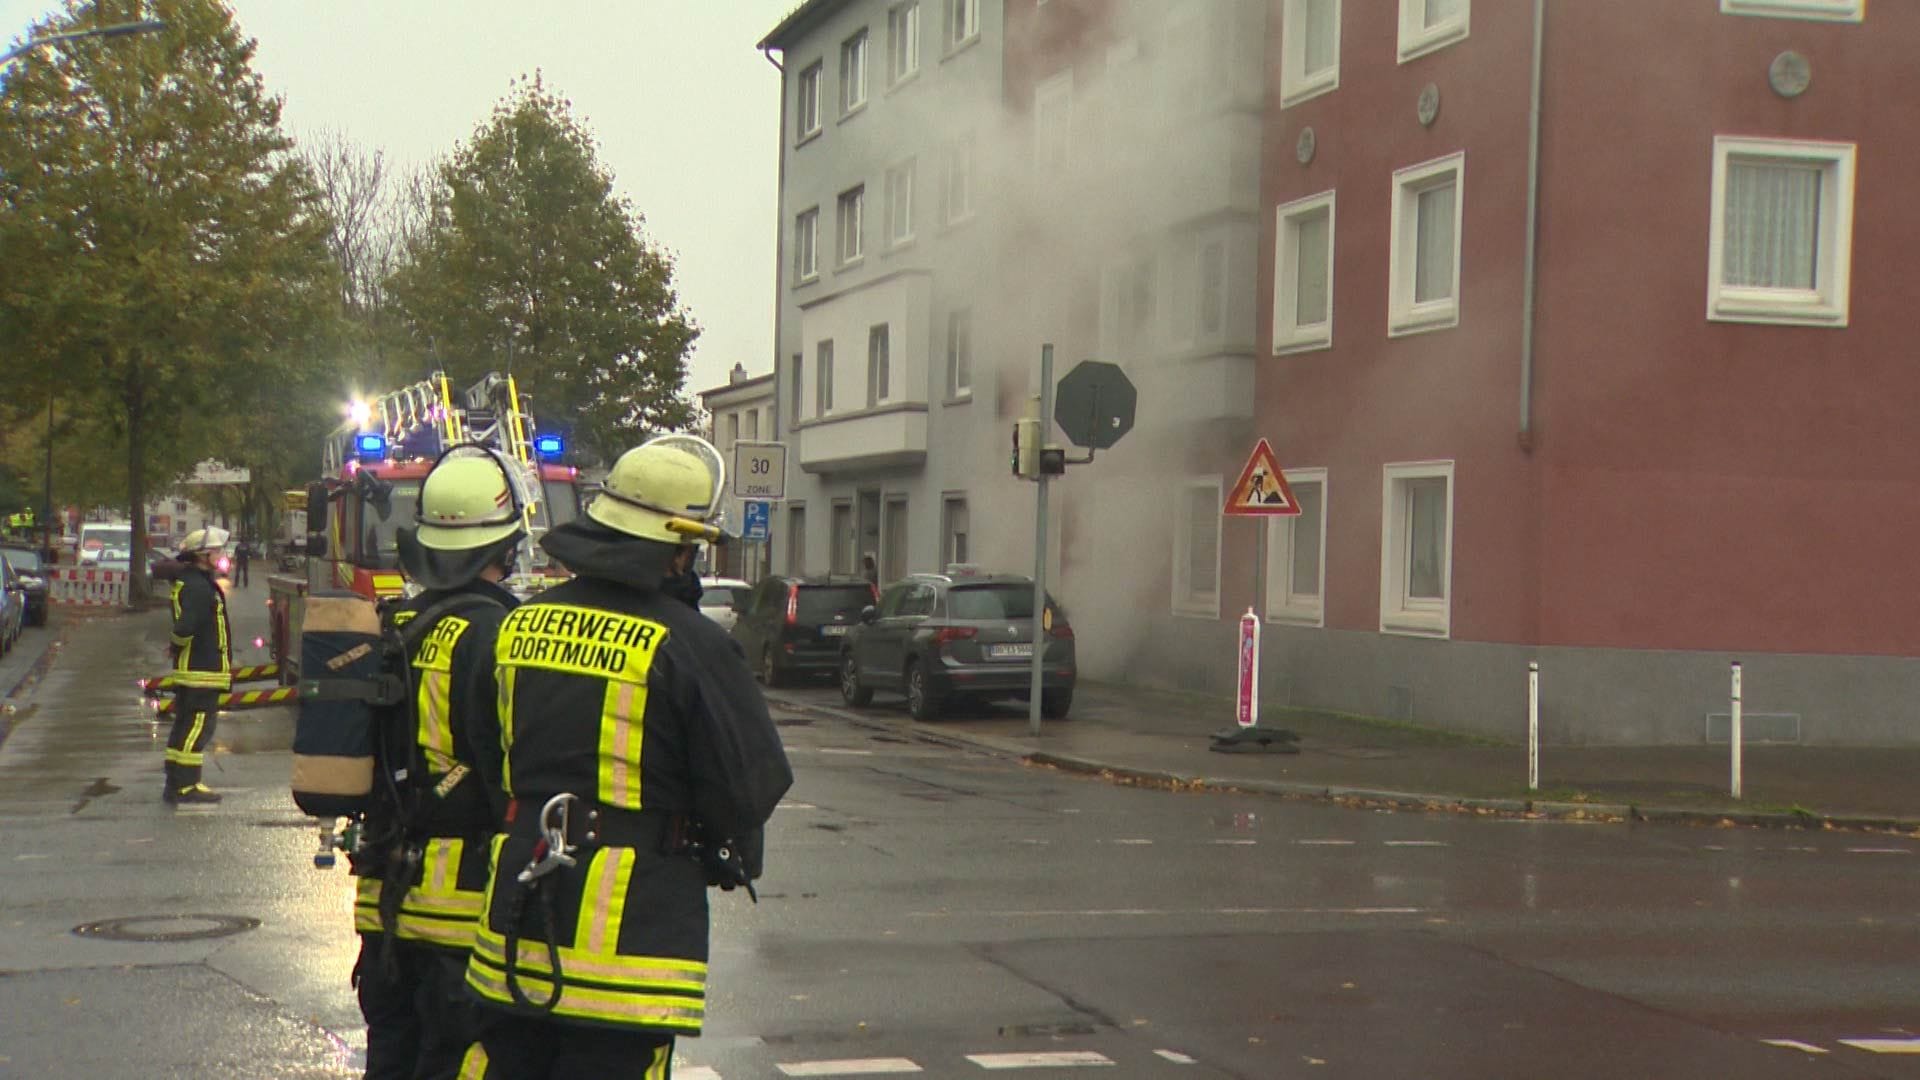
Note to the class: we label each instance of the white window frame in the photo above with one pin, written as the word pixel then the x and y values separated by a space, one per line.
pixel 1289 335
pixel 903 42
pixel 1053 161
pixel 880 379
pixel 962 24
pixel 959 319
pixel 1417 39
pixel 808 99
pixel 806 242
pixel 1827 303
pixel 949 503
pixel 854 56
pixel 823 378
pixel 1284 605
pixel 1404 316
pixel 856 198
pixel 1185 600
pixel 1212 254
pixel 900 182
pixel 1399 613
pixel 1297 84
pixel 958 206
pixel 1852 11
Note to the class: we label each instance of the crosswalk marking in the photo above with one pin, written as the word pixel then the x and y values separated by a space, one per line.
pixel 850 1067
pixel 1057 1060
pixel 1884 1046
pixel 1795 1044
pixel 1325 843
pixel 1177 1057
pixel 694 1072
pixel 1879 851
pixel 1416 843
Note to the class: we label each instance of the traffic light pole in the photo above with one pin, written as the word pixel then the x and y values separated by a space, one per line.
pixel 1040 547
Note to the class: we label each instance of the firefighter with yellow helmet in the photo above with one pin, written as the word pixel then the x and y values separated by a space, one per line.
pixel 202 665
pixel 422 869
pixel 640 764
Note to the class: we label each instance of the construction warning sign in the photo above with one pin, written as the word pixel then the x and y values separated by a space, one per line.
pixel 1262 488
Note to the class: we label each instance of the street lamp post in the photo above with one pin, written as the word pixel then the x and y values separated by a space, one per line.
pixel 143 26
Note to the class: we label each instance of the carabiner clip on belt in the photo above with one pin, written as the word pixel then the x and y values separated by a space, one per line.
pixel 550 853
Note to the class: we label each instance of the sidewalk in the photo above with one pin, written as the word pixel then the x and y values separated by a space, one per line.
pixel 1165 738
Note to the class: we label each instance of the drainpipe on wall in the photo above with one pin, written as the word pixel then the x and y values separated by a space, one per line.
pixel 779 236
pixel 1533 228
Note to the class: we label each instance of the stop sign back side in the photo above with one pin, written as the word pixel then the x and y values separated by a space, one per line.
pixel 1094 404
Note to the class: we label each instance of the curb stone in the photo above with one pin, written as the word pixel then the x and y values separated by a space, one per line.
pixel 1599 813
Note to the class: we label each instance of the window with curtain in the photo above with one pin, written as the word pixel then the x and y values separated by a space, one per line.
pixel 1197 569
pixel 1427 25
pixel 823 379
pixel 1303 274
pixel 1416 548
pixel 808 107
pixel 1294 552
pixel 853 205
pixel 1310 49
pixel 879 364
pixel 806 240
pixel 903 40
pixel 853 72
pixel 960 352
pixel 1771 237
pixel 1781 246
pixel 1424 290
pixel 1433 244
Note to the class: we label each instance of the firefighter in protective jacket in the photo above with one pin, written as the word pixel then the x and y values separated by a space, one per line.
pixel 641 766
pixel 202 666
pixel 423 868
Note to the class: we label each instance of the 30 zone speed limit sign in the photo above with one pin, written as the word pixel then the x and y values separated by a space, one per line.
pixel 760 470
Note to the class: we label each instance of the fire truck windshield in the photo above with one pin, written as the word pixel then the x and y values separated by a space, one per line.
pixel 563 501
pixel 380 546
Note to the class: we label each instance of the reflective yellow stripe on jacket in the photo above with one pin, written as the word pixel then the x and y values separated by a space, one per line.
pixel 597 982
pixel 436 910
pixel 434 705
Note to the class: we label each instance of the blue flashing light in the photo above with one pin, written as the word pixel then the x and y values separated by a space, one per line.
pixel 548 446
pixel 370 444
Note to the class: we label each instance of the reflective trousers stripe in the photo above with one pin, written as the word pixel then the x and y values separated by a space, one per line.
pixel 622 1007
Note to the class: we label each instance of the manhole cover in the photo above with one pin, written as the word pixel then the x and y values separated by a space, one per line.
pixel 167 927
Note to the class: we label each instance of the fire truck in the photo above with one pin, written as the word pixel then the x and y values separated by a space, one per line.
pixel 372 469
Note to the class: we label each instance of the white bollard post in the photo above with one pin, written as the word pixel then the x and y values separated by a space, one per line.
pixel 1533 726
pixel 1733 729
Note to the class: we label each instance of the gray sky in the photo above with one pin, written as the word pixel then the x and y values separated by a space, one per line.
pixel 685 109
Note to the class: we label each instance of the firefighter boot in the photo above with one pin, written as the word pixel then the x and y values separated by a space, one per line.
pixel 184 786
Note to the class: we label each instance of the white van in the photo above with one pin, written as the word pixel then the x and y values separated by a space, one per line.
pixel 107 545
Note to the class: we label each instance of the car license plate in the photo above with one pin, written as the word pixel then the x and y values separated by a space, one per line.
pixel 1009 652
pixel 834 631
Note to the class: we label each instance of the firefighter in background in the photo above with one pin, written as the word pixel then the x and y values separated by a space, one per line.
pixel 641 766
pixel 202 665
pixel 423 869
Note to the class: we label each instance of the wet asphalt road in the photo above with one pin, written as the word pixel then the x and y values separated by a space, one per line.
pixel 934 910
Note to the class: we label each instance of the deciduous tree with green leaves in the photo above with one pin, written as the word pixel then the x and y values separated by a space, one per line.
pixel 529 262
pixel 163 246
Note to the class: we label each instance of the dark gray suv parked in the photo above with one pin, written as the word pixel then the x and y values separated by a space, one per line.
pixel 937 637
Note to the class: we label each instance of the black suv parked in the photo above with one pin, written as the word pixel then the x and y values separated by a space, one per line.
pixel 793 625
pixel 935 637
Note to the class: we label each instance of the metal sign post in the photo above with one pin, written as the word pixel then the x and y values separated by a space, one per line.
pixel 1040 548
